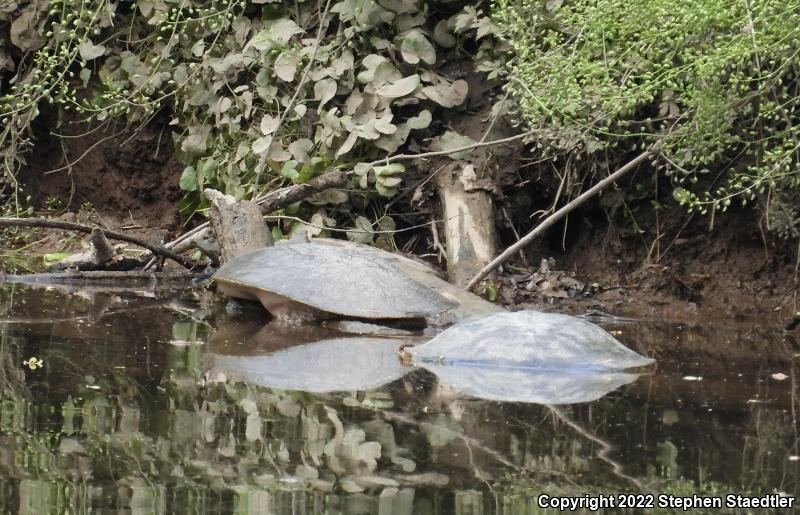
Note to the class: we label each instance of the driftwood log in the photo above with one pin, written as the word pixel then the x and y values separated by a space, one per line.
pixel 469 220
pixel 114 235
pixel 237 226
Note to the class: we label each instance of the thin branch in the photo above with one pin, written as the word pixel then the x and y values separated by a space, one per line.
pixel 406 157
pixel 558 215
pixel 354 230
pixel 605 447
pixel 71 226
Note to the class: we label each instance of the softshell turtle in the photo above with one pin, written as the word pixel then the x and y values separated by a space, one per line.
pixel 531 340
pixel 325 278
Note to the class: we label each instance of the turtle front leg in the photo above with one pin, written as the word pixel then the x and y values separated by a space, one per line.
pixel 290 312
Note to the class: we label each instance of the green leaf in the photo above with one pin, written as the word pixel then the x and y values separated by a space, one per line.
pixel 370 64
pixel 289 170
pixel 388 170
pixel 485 27
pixel 489 291
pixel 53 258
pixel 85 75
pixel 23 32
pixel 442 35
pixel 362 232
pixel 447 94
pixel 199 48
pixel 188 180
pixel 286 64
pixel 300 149
pixel 464 20
pixel 324 91
pixel 400 6
pixel 262 41
pixel 400 88
pixel 416 47
pixel 387 178
pixel 451 140
pixel 268 124
pixel 261 145
pixel 282 30
pixel 421 121
pixel 89 51
pixel 348 144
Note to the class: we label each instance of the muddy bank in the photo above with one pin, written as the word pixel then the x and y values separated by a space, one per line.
pixel 677 268
pixel 124 181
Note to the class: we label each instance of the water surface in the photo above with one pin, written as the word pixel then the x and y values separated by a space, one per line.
pixel 166 403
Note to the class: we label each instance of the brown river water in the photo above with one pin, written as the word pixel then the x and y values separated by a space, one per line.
pixel 167 402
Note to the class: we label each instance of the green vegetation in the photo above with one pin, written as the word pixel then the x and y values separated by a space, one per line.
pixel 257 93
pixel 261 94
pixel 716 83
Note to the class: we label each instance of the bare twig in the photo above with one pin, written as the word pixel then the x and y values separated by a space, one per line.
pixel 406 157
pixel 558 215
pixel 71 226
pixel 605 446
pixel 69 164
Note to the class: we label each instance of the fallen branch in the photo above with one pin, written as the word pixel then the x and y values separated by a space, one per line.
pixel 278 199
pixel 558 215
pixel 71 226
pixel 286 196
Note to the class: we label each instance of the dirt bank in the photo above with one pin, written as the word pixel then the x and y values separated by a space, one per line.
pixel 669 264
pixel 127 182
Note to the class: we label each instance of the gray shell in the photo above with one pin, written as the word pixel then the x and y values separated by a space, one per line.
pixel 348 279
pixel 340 364
pixel 529 339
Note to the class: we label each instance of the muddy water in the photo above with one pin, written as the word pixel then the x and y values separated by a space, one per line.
pixel 130 403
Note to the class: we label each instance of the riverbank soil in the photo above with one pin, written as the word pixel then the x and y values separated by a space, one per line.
pixel 615 255
pixel 106 177
pixel 667 264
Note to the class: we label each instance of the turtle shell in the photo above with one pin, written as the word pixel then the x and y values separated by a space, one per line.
pixel 346 280
pixel 529 339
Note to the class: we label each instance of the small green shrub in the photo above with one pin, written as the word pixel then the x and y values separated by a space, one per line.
pixel 716 82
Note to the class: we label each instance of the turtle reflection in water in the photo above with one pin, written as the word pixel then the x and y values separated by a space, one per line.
pixel 523 365
pixel 325 278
